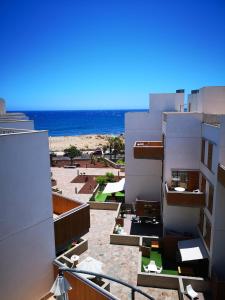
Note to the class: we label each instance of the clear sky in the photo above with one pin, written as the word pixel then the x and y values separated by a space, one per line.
pixel 85 54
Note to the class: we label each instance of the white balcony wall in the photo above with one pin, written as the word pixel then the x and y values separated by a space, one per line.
pixel 26 223
pixel 17 124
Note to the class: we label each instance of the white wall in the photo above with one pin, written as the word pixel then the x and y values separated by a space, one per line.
pixel 20 124
pixel 26 223
pixel 182 150
pixel 2 106
pixel 209 100
pixel 166 102
pixel 218 256
pixel 143 176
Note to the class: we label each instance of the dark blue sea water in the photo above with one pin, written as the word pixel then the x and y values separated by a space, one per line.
pixel 78 122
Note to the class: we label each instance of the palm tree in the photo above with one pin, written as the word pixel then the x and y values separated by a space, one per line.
pixel 72 152
pixel 111 143
pixel 118 146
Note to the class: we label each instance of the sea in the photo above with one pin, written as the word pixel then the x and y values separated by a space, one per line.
pixel 79 122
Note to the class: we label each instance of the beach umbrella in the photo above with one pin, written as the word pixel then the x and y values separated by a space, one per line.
pixel 60 287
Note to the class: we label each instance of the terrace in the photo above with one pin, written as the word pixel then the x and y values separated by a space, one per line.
pixel 148 150
pixel 71 221
pixel 174 270
pixel 133 223
pixel 184 189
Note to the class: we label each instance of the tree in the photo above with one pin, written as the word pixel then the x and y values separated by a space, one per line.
pixel 72 152
pixel 101 180
pixel 111 143
pixel 52 154
pixel 110 177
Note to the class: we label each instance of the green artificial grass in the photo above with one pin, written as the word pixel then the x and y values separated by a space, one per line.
pixel 157 257
pixel 99 197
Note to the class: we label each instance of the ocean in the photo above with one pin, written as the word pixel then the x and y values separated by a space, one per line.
pixel 79 122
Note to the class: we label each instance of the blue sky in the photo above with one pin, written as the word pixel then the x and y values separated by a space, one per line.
pixel 80 54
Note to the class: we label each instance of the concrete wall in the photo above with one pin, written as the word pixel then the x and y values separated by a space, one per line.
pixel 209 100
pixel 2 106
pixel 17 124
pixel 166 102
pixel 26 223
pixel 143 176
pixel 182 150
pixel 218 256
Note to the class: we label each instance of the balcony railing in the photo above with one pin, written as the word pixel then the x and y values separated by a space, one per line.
pixel 221 174
pixel 71 220
pixel 149 150
pixel 184 198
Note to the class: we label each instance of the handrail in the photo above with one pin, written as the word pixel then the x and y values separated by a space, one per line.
pixel 133 288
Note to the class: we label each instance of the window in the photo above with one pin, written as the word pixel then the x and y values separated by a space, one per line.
pixel 210 197
pixel 210 154
pixel 207 235
pixel 201 221
pixel 202 183
pixel 187 179
pixel 203 152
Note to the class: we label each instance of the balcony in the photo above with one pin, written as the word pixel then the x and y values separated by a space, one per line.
pixel 148 150
pixel 221 174
pixel 71 220
pixel 184 198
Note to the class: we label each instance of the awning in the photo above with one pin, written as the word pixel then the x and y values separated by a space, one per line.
pixel 192 250
pixel 114 187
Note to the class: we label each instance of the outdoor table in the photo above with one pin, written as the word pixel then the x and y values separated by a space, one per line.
pixel 179 189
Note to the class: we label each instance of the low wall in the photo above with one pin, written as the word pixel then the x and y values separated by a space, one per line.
pixel 120 239
pixel 103 205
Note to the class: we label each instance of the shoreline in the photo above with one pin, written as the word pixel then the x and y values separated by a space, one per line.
pixel 82 142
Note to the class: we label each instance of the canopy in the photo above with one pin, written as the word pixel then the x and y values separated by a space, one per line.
pixel 114 187
pixel 192 250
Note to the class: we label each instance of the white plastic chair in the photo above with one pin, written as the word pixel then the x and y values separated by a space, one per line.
pixel 146 269
pixel 191 292
pixel 159 270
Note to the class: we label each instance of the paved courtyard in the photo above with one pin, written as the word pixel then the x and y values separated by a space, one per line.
pixel 65 176
pixel 118 261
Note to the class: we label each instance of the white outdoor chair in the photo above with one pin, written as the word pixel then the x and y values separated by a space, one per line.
pixel 152 266
pixel 191 292
pixel 146 269
pixel 159 270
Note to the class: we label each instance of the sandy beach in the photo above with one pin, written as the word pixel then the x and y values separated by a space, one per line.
pixel 84 142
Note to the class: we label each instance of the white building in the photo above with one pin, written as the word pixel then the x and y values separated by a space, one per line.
pixel 27 243
pixel 193 155
pixel 14 120
pixel 143 176
pixel 26 233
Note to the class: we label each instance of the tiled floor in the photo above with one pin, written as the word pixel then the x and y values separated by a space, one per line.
pixel 118 261
pixel 65 176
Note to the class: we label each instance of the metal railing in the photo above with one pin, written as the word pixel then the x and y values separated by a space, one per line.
pixel 97 275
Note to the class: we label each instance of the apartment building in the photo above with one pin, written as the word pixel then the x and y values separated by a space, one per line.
pixel 27 243
pixel 143 176
pixel 186 161
pixel 14 120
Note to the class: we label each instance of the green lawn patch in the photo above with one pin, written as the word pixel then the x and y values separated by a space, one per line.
pixel 99 197
pixel 157 257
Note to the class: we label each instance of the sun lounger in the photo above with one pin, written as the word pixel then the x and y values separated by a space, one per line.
pixel 191 292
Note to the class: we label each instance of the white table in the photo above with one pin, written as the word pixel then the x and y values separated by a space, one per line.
pixel 90 264
pixel 179 189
